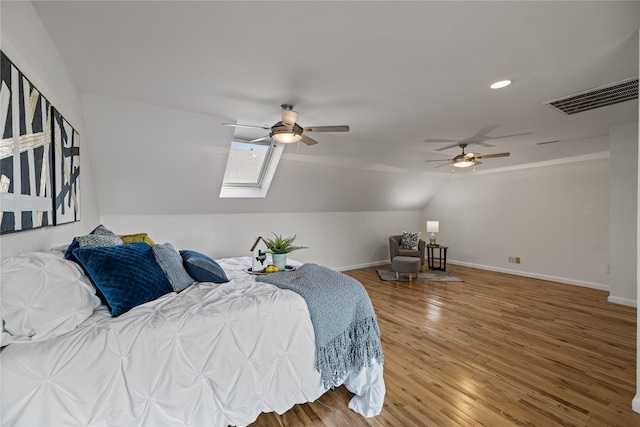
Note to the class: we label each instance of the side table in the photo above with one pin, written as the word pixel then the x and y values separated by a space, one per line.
pixel 439 261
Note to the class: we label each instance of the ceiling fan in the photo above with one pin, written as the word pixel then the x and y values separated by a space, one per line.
pixel 479 138
pixel 287 131
pixel 465 160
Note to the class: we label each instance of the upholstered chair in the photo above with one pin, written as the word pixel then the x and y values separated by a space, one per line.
pixel 396 250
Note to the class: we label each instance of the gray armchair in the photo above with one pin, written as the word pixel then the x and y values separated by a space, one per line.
pixel 395 250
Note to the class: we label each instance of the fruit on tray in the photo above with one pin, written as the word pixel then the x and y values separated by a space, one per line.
pixel 271 269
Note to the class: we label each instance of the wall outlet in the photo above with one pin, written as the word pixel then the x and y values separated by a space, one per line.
pixel 514 259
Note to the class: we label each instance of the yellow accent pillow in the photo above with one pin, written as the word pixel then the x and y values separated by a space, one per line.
pixel 139 237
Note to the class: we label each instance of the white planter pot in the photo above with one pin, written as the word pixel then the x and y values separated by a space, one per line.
pixel 280 260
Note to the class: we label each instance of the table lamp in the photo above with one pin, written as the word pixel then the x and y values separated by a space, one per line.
pixel 432 227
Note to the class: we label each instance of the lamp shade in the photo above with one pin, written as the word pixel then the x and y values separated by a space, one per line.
pixel 289 117
pixel 433 226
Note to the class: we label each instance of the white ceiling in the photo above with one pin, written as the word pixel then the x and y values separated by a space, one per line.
pixel 396 72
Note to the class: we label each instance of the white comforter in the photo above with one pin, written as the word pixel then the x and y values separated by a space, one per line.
pixel 213 355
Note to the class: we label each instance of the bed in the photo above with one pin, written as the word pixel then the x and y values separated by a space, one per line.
pixel 212 354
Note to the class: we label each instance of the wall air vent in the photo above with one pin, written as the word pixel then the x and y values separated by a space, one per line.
pixel 602 96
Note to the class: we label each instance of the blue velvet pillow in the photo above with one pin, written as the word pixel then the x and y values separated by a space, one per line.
pixel 126 275
pixel 202 268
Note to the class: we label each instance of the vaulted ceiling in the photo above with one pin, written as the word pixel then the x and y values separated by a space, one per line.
pixel 396 72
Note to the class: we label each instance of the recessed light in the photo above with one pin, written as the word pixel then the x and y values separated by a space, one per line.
pixel 500 84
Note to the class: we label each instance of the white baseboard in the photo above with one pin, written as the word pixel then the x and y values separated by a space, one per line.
pixel 564 280
pixel 622 301
pixel 635 403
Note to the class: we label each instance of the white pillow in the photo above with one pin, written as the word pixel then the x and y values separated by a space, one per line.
pixel 42 296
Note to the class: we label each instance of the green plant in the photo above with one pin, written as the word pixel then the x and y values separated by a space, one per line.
pixel 279 245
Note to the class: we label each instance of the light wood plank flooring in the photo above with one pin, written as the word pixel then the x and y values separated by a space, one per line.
pixel 494 350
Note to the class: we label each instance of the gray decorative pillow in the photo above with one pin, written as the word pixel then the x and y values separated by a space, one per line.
pixel 170 261
pixel 104 231
pixel 109 239
pixel 410 240
pixel 99 240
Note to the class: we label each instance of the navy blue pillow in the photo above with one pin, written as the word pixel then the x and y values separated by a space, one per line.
pixel 126 275
pixel 202 268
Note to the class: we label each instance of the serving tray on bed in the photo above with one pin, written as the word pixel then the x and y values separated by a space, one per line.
pixel 286 268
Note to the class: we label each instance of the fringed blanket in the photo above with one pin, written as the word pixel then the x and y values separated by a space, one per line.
pixel 345 325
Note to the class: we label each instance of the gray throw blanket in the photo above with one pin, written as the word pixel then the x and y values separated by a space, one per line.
pixel 344 323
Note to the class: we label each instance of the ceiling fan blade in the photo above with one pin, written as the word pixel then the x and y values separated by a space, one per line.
pixel 509 136
pixel 482 133
pixel 440 160
pixel 262 138
pixel 489 156
pixel 484 144
pixel 447 147
pixel 236 125
pixel 308 141
pixel 440 140
pixel 343 128
pixel 444 164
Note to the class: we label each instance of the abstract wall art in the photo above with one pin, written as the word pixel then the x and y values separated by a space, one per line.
pixel 66 169
pixel 26 155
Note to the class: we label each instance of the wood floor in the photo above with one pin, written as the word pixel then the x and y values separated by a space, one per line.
pixel 494 350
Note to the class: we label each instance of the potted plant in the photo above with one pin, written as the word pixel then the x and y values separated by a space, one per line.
pixel 279 247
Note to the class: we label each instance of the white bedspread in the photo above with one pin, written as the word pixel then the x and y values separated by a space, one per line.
pixel 213 355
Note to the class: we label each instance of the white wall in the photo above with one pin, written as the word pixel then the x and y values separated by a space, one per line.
pixel 26 42
pixel 339 240
pixel 623 215
pixel 555 218
pixel 636 400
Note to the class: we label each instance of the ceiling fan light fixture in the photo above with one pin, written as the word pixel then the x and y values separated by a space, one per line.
pixel 463 162
pixel 286 134
pixel 287 138
pixel 287 131
pixel 500 84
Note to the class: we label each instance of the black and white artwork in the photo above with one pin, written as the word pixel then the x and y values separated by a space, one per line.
pixel 26 188
pixel 66 169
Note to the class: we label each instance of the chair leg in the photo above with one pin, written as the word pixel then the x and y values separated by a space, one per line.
pixel 410 277
pixel 397 276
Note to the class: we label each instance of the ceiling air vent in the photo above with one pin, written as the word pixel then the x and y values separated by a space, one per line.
pixel 602 96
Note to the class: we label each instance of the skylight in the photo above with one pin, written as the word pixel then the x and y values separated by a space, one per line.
pixel 245 164
pixel 250 168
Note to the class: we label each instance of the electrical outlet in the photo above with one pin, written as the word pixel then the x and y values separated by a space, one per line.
pixel 517 260
pixel 514 259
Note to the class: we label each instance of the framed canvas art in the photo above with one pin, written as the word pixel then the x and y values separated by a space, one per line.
pixel 26 189
pixel 66 170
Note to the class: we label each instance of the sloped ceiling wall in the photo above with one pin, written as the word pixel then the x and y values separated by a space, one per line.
pixel 174 161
